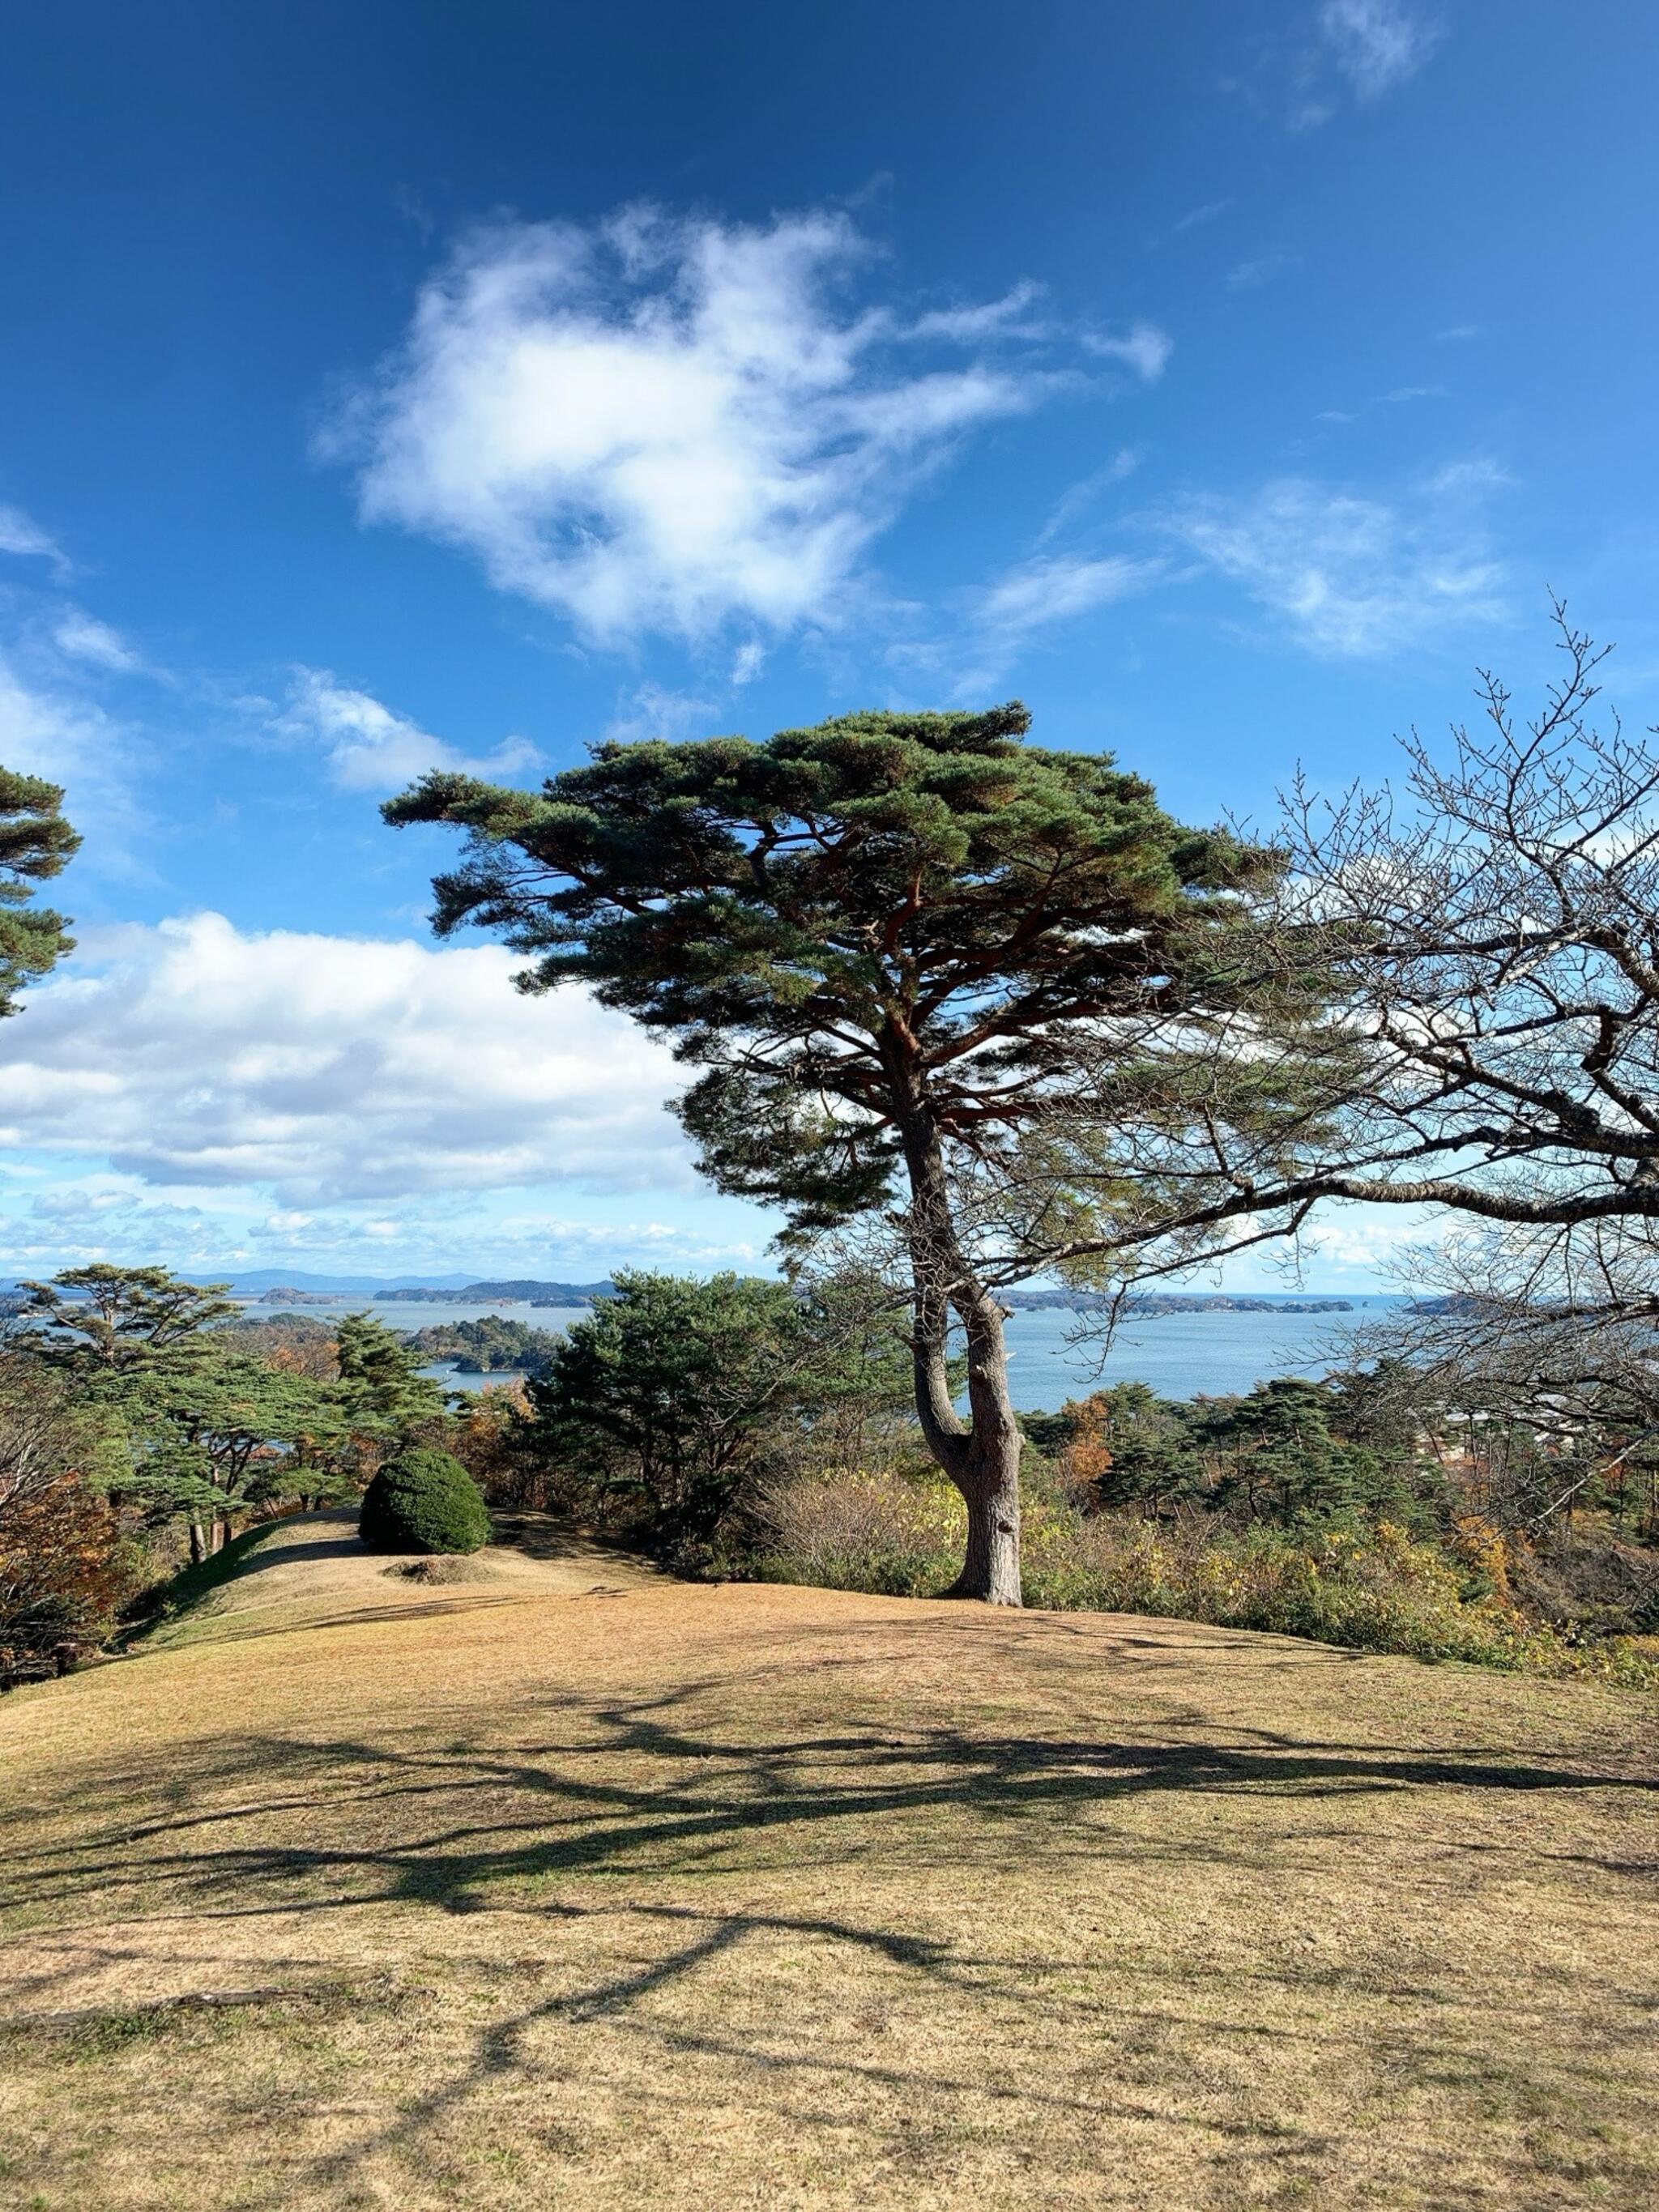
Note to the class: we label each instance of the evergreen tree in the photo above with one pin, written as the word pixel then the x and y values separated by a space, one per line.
pixel 382 1382
pixel 665 1390
pixel 103 1322
pixel 916 960
pixel 221 1430
pixel 36 843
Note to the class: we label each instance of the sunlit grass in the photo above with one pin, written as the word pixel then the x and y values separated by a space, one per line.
pixel 697 1896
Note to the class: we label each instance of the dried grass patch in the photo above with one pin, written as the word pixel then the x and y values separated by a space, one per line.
pixel 690 1896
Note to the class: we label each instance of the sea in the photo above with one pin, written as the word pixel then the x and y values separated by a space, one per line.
pixel 1051 1356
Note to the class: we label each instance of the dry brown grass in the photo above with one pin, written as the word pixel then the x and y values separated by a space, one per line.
pixel 785 1898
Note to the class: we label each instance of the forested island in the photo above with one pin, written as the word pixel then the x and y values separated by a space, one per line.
pixel 491 1346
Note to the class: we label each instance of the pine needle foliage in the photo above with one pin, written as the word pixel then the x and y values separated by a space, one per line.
pixel 902 948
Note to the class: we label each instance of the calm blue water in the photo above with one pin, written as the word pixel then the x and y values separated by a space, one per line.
pixel 1182 1355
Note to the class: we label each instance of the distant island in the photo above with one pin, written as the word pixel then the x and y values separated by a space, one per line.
pixel 525 1292
pixel 493 1345
pixel 286 1295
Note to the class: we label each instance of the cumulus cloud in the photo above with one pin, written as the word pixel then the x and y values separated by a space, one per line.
pixel 369 747
pixel 1377 44
pixel 331 1068
pixel 1143 348
pixel 659 425
pixel 1354 576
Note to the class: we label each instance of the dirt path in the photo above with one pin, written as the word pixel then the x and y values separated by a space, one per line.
pixel 315 1573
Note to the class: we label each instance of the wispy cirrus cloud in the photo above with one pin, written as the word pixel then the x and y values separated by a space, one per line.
pixel 1008 316
pixel 1251 275
pixel 1344 51
pixel 20 534
pixel 1351 573
pixel 82 637
pixel 1053 588
pixel 991 626
pixel 1377 45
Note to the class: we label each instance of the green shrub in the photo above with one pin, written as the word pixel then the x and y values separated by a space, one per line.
pixel 423 1500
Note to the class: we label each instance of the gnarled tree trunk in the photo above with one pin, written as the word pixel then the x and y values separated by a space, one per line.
pixel 980 1454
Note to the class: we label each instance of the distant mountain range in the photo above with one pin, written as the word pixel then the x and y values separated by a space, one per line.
pixel 517 1289
pixel 273 1284
pixel 260 1282
pixel 257 1281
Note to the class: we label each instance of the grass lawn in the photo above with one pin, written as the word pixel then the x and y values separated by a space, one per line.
pixel 608 1891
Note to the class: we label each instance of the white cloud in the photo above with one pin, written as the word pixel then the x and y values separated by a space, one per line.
pixel 1377 44
pixel 1057 588
pixel 1355 575
pixel 1206 212
pixel 81 636
pixel 1003 317
pixel 51 730
pixel 1250 276
pixel 657 425
pixel 996 623
pixel 371 748
pixel 331 1068
pixel 748 662
pixel 21 535
pixel 1143 347
pixel 652 710
pixel 1076 500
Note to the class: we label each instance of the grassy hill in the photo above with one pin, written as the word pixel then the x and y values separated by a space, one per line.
pixel 570 1885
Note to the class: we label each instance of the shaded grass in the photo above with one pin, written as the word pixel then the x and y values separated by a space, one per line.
pixel 791 1898
pixel 183 1594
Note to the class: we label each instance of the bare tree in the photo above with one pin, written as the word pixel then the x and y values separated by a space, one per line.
pixel 1485 1036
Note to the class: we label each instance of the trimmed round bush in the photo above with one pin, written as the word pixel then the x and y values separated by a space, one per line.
pixel 423 1500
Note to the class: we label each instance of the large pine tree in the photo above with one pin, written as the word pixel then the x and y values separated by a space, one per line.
pixel 916 959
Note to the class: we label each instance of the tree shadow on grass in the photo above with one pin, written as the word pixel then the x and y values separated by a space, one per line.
pixel 647 1786
pixel 684 1781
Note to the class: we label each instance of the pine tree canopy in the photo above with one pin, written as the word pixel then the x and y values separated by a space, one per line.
pixel 806 913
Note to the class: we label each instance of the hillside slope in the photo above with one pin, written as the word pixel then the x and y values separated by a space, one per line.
pixel 513 1894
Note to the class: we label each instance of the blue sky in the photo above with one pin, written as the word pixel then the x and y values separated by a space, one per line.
pixel 388 385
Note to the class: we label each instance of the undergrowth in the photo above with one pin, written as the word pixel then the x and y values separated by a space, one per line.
pixel 1370 1585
